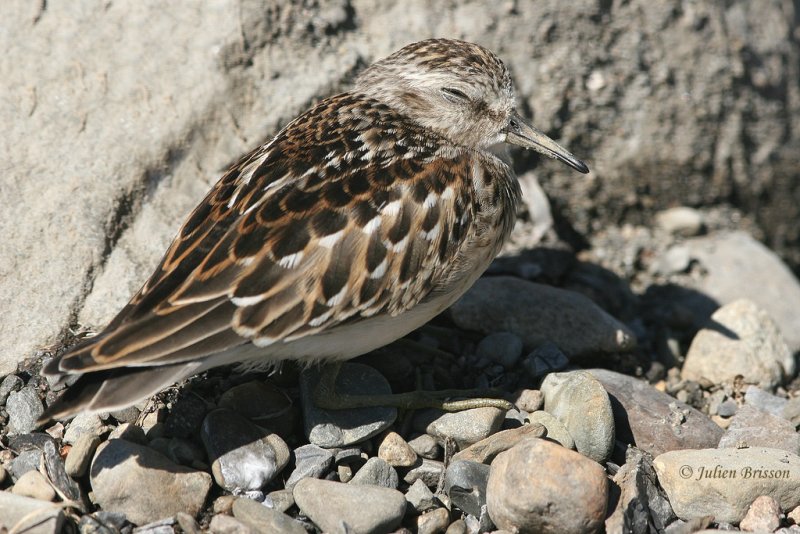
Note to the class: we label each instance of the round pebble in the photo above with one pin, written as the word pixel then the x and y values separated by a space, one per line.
pixel 578 399
pixel 80 455
pixel 465 427
pixel 332 505
pixel 764 515
pixel 34 485
pixel 503 348
pixel 243 456
pixel 539 486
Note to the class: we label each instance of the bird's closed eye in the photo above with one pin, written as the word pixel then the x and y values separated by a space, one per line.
pixel 454 95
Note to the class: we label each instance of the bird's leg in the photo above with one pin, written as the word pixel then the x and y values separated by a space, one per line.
pixel 326 397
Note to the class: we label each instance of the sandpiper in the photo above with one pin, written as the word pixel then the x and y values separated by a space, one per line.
pixel 357 223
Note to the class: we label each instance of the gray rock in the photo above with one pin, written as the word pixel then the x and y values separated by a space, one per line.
pixel 256 400
pixel 642 506
pixel 737 266
pixel 224 524
pixel 556 431
pixel 504 348
pixel 396 451
pixel 80 455
pixel 186 416
pixel 652 420
pixel 465 483
pixel 539 313
pixel 84 423
pixel 30 516
pixel 263 519
pixel 426 446
pixel 680 220
pixel 538 486
pixel 740 339
pixel 753 428
pixel 340 428
pixel 9 384
pixel 430 472
pixel 243 456
pixel 465 427
pixel 578 399
pixel 27 460
pixel 281 500
pixel 104 522
pixel 547 358
pixel 335 507
pixel 24 407
pixel 723 482
pixel 376 472
pixel 727 408
pixel 420 497
pixel 766 402
pixel 310 461
pixel 121 469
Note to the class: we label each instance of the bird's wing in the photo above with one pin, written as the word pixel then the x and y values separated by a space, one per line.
pixel 341 216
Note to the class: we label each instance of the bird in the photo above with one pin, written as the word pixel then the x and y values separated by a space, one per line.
pixel 361 220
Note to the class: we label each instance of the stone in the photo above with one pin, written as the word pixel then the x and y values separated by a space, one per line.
pixel 736 266
pixel 578 399
pixel 727 408
pixel 753 428
pixel 256 400
pixel 24 407
pixel 429 471
pixel 433 522
pixel 121 469
pixel 537 314
pixel 281 499
pixel 529 400
pixel 7 385
pixel 84 423
pixel 340 428
pixel 641 505
pixel 396 451
pixel 310 461
pixel 740 339
pixel 32 484
pixel 764 515
pixel 680 220
pixel 104 522
pixel 56 475
pixel 676 259
pixel 243 456
pixel 465 484
pixel 465 427
pixel 503 348
pixel 426 446
pixel 547 358
pixel 225 524
pixel 30 516
pixel 724 482
pixel 263 519
pixel 376 472
pixel 651 419
pixel 554 429
pixel 26 460
pixel 186 416
pixel 766 402
pixel 128 432
pixel 539 486
pixel 337 507
pixel 80 455
pixel 420 497
pixel 487 449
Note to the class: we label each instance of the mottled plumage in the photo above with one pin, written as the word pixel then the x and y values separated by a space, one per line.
pixel 362 219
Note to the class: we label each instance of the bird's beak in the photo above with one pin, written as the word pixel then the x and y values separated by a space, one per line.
pixel 522 134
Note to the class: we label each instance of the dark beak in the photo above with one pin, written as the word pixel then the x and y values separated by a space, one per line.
pixel 522 134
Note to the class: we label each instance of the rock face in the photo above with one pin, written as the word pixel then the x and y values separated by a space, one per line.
pixel 134 109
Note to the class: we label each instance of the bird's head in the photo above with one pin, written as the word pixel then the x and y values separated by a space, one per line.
pixel 459 90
